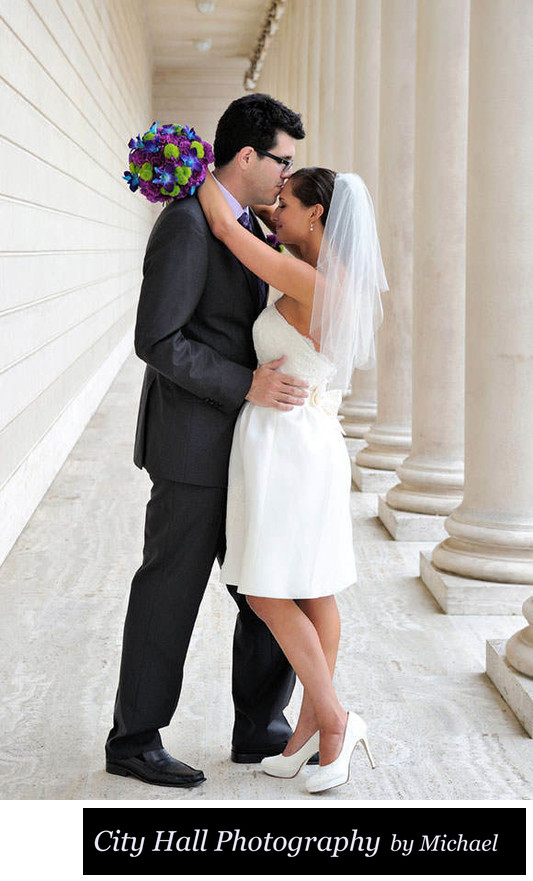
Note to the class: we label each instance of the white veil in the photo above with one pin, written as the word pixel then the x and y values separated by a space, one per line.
pixel 347 307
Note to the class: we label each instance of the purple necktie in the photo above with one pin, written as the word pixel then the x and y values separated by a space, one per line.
pixel 245 221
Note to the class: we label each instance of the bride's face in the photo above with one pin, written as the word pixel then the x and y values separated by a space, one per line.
pixel 292 218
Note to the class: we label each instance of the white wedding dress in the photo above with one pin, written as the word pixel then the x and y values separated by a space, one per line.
pixel 288 524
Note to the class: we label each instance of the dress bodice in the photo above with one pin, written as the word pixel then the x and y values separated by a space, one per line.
pixel 274 337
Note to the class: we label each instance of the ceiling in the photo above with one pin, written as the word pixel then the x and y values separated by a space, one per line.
pixel 175 25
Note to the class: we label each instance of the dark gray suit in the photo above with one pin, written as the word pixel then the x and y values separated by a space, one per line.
pixel 194 323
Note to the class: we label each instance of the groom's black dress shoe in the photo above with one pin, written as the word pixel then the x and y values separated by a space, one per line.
pixel 156 767
pixel 249 757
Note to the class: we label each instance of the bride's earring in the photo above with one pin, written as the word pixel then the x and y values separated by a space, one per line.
pixel 311 227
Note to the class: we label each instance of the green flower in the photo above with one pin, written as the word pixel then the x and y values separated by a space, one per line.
pixel 171 151
pixel 183 174
pixel 200 152
pixel 146 172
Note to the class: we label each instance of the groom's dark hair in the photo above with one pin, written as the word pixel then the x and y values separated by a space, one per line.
pixel 253 121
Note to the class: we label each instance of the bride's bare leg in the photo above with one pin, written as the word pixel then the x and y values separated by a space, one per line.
pixel 299 639
pixel 324 615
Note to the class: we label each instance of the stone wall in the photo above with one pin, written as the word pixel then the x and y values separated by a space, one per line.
pixel 75 86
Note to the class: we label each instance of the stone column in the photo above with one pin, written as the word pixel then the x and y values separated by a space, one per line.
pixel 389 439
pixel 510 557
pixel 359 408
pixel 302 36
pixel 510 666
pixel 519 648
pixel 326 89
pixel 486 564
pixel 342 154
pixel 342 135
pixel 432 476
pixel 312 122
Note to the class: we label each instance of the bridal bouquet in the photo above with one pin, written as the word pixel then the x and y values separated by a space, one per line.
pixel 167 162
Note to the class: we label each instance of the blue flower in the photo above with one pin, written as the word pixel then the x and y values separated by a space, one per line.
pixel 136 143
pixel 164 177
pixel 132 179
pixel 151 146
pixel 151 139
pixel 192 161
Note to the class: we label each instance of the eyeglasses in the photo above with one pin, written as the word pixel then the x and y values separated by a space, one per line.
pixel 287 163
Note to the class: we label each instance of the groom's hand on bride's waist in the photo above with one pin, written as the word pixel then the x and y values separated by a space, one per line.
pixel 271 388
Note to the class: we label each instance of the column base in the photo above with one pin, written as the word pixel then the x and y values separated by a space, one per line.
pixel 353 445
pixel 457 595
pixel 356 429
pixel 410 526
pixel 358 417
pixel 386 448
pixel 372 480
pixel 515 688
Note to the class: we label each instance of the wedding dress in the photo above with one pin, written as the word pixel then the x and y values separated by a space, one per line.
pixel 288 524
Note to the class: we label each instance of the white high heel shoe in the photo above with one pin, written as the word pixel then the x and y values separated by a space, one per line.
pixel 289 766
pixel 338 771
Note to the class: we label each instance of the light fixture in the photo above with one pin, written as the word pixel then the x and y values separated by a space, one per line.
pixel 205 6
pixel 203 45
pixel 271 25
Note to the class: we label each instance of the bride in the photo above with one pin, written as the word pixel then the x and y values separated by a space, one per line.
pixel 288 528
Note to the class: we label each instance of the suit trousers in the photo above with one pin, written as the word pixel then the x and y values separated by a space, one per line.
pixel 184 534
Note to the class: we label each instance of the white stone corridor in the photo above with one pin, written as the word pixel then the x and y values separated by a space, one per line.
pixel 439 729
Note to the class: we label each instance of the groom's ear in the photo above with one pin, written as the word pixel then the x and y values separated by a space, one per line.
pixel 244 157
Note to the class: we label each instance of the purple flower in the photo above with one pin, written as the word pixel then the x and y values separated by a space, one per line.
pixel 274 242
pixel 151 192
pixel 184 145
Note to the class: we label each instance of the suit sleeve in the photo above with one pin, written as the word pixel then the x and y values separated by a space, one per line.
pixel 174 275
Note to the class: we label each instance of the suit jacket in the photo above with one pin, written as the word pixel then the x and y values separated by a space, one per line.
pixel 194 331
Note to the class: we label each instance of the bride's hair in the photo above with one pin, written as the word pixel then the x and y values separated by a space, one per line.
pixel 314 186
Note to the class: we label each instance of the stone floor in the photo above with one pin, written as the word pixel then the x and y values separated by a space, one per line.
pixel 439 730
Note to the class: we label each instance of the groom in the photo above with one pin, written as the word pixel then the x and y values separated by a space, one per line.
pixel 194 331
